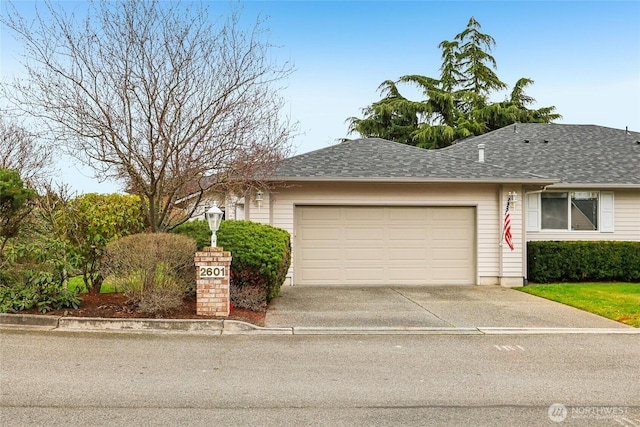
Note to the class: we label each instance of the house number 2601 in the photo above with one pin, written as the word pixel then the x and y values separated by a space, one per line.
pixel 212 272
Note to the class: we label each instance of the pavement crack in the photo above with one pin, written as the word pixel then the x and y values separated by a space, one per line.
pixel 422 307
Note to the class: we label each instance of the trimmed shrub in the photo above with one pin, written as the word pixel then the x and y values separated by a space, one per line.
pixel 261 258
pixel 581 261
pixel 29 279
pixel 154 270
pixel 40 291
pixel 197 230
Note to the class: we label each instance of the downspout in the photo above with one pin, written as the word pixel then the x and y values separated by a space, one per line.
pixel 247 206
pixel 523 215
pixel 271 208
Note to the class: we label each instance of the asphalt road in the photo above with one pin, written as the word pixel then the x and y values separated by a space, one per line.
pixel 95 379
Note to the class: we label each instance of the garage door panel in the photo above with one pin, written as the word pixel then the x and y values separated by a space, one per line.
pixel 449 233
pixel 449 246
pixel 363 214
pixel 448 214
pixel 321 254
pixel 364 254
pixel 362 275
pixel 406 275
pixel 408 254
pixel 404 234
pixel 320 213
pixel 368 245
pixel 453 257
pixel 363 234
pixel 408 214
pixel 324 233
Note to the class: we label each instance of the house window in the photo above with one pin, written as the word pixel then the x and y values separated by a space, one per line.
pixel 554 211
pixel 569 210
pixel 584 210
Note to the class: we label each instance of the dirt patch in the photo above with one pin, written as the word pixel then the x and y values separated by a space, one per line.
pixel 114 305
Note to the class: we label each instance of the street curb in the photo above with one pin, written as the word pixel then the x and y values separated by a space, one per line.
pixel 235 327
pixel 139 325
pixel 541 331
pixel 28 320
pixel 98 324
pixel 309 330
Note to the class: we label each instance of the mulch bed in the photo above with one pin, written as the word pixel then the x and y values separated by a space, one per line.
pixel 114 305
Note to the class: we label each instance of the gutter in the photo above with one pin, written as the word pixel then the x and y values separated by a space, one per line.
pixel 569 186
pixel 416 180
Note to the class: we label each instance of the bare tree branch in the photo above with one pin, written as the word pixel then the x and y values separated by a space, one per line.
pixel 24 151
pixel 155 94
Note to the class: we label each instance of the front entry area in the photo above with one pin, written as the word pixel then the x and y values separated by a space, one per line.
pixel 384 245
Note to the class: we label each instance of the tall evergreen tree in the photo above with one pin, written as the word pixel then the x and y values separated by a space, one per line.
pixel 457 104
pixel 394 117
pixel 15 204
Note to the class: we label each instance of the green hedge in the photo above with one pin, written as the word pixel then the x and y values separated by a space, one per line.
pixel 261 255
pixel 197 230
pixel 583 261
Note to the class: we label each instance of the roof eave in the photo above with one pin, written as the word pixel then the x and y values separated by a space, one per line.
pixel 418 180
pixel 581 185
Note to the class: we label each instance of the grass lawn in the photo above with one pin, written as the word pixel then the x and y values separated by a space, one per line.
pixel 616 301
pixel 75 282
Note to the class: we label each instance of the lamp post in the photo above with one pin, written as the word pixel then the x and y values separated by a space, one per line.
pixel 214 218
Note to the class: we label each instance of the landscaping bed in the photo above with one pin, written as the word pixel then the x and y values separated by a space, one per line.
pixel 114 305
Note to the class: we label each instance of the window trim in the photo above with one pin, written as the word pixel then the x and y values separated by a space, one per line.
pixel 606 211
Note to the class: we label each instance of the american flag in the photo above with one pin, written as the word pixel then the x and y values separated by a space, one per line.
pixel 507 226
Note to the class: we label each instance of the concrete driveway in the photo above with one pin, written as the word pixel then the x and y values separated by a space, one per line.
pixel 424 307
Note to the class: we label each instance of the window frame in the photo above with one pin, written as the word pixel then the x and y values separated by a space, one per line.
pixel 605 211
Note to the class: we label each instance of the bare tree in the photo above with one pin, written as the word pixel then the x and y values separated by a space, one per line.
pixel 24 152
pixel 156 95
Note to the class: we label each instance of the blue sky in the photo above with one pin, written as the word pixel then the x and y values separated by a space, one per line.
pixel 584 57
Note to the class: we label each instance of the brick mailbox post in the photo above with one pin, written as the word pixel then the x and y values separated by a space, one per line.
pixel 213 266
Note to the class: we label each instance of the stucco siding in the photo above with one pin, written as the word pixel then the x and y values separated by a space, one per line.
pixel 484 198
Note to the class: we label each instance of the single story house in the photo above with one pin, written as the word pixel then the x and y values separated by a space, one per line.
pixel 376 212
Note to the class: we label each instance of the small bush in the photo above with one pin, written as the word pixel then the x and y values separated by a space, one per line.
pixel 154 270
pixel 261 258
pixel 197 230
pixel 551 261
pixel 162 299
pixel 249 297
pixel 41 292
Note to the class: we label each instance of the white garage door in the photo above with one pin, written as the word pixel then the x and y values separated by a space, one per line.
pixel 372 245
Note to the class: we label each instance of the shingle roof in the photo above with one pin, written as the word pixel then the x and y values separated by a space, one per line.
pixel 376 159
pixel 573 154
pixel 583 154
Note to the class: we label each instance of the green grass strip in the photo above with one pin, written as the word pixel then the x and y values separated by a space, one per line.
pixel 75 282
pixel 615 301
